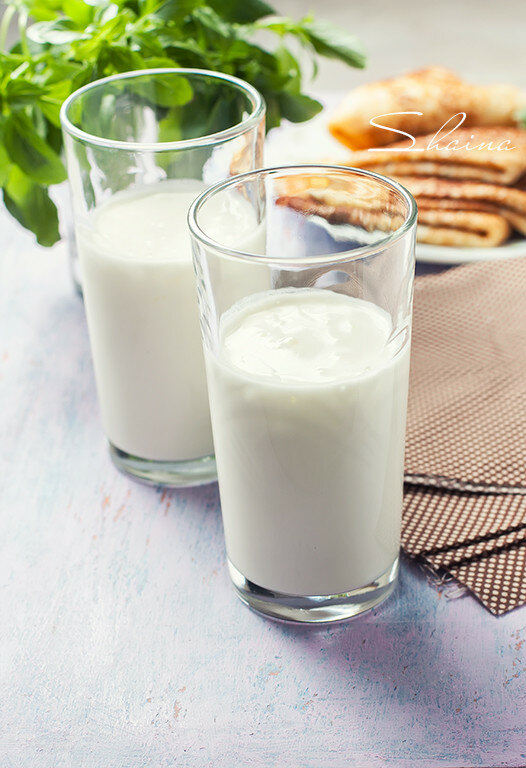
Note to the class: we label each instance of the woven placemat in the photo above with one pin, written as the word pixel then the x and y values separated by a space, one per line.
pixel 465 493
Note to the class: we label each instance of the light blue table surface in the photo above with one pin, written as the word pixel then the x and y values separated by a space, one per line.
pixel 121 641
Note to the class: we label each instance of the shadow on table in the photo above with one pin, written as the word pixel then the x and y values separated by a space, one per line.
pixel 412 650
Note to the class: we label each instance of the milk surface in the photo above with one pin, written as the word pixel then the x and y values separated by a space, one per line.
pixel 143 319
pixel 308 405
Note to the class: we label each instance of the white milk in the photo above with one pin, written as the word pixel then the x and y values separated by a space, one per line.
pixel 143 319
pixel 308 405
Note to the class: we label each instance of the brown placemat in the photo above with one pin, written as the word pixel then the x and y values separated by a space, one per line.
pixel 465 499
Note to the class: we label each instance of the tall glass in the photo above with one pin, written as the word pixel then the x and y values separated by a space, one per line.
pixel 140 147
pixel 305 279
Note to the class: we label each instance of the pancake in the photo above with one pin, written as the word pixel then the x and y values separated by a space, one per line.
pixel 439 194
pixel 449 227
pixel 461 229
pixel 486 164
pixel 435 92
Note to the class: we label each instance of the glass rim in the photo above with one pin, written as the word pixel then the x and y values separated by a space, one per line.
pixel 341 256
pixel 256 99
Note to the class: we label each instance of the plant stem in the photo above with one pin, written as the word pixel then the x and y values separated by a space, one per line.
pixel 4 26
pixel 22 26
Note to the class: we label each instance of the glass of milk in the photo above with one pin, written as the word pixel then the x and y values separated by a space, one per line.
pixel 140 147
pixel 307 363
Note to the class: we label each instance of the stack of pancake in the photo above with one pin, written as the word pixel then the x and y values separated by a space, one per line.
pixel 469 182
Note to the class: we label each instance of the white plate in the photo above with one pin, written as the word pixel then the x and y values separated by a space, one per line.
pixel 311 142
pixel 440 254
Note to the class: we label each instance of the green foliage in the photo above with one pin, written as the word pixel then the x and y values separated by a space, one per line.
pixel 64 44
pixel 29 202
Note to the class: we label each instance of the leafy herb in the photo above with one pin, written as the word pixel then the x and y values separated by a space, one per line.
pixel 64 44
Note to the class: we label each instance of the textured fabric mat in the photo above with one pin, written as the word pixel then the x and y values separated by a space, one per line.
pixel 465 499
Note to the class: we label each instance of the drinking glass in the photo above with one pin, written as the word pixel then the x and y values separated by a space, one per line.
pixel 140 147
pixel 305 278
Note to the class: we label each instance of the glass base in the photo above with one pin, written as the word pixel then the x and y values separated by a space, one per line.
pixel 172 474
pixel 314 609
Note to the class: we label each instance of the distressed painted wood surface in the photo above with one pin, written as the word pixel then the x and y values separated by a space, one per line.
pixel 122 644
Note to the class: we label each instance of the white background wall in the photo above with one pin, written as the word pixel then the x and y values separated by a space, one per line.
pixel 483 40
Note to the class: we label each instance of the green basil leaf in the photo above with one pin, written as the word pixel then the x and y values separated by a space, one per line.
pixel 31 152
pixel 53 137
pixel 79 12
pixel 44 10
pixel 51 110
pixel 84 76
pixel 5 166
pixel 241 11
pixel 20 93
pixel 147 43
pixel 158 62
pixel 334 42
pixel 121 58
pixel 247 54
pixel 61 32
pixel 176 10
pixel 185 52
pixel 30 204
pixel 165 91
pixel 273 112
pixel 148 7
pixel 281 25
pixel 210 20
pixel 297 107
pixel 289 69
pixel 60 71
